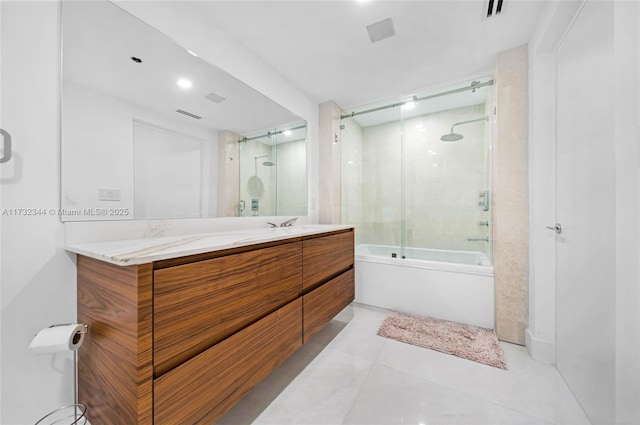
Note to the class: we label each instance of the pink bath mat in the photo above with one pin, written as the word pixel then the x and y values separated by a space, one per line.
pixel 466 341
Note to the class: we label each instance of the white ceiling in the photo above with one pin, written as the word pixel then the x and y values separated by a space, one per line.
pixel 323 48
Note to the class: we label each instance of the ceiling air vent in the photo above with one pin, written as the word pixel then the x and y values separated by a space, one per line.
pixel 492 8
pixel 189 114
pixel 381 30
pixel 215 98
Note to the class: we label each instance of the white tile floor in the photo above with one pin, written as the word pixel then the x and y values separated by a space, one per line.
pixel 348 375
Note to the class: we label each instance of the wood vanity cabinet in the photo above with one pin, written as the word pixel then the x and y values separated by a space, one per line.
pixel 182 340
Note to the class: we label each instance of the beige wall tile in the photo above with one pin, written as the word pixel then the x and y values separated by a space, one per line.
pixel 510 200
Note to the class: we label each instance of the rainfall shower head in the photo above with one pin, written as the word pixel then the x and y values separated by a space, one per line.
pixel 452 137
pixel 267 163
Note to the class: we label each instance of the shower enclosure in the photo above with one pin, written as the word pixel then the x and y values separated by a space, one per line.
pixel 416 173
pixel 273 172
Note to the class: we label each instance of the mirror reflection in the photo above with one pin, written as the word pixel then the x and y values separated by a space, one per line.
pixel 148 128
pixel 273 172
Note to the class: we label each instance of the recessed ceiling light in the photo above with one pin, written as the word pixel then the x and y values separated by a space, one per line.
pixel 287 132
pixel 184 83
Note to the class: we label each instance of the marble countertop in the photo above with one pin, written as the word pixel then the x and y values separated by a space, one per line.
pixel 141 251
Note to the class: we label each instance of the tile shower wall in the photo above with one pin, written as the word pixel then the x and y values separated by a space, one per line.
pixel 329 163
pixel 442 181
pixel 292 178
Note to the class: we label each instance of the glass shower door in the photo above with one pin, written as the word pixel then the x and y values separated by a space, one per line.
pixel 257 177
pixel 447 200
pixel 416 174
pixel 371 179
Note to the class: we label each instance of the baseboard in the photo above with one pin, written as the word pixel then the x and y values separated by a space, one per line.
pixel 540 350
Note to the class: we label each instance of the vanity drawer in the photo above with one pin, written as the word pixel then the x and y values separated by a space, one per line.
pixel 204 388
pixel 326 256
pixel 322 304
pixel 199 304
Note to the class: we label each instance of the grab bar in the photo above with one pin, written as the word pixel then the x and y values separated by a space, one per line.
pixel 485 239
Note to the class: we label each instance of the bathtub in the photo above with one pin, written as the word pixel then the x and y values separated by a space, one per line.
pixel 450 285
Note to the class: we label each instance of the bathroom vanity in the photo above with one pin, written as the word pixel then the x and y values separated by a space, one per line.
pixel 180 329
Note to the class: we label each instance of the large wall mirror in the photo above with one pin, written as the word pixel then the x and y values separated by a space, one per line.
pixel 150 130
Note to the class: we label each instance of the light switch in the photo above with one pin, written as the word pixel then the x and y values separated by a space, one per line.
pixel 105 194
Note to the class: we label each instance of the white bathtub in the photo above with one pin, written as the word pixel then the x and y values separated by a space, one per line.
pixel 450 285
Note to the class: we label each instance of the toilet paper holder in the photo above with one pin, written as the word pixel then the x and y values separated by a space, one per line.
pixel 79 410
pixel 59 338
pixel 76 336
pixel 82 332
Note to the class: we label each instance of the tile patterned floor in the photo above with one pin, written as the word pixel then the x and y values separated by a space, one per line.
pixel 348 375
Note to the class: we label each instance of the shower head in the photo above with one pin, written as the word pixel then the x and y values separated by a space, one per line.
pixel 267 163
pixel 452 137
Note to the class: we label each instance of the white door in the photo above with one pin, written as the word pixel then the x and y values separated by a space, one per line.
pixel 167 173
pixel 585 209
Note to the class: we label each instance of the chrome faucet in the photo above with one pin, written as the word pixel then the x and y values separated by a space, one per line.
pixel 288 223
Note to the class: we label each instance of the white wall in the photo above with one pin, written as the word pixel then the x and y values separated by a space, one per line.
pixel 38 276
